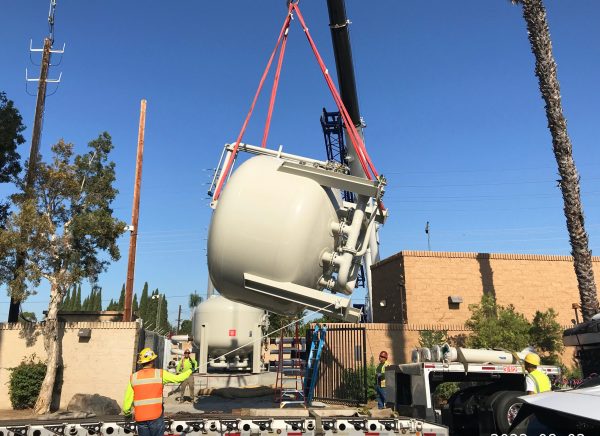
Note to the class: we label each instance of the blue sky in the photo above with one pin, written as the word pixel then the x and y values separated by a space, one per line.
pixel 455 120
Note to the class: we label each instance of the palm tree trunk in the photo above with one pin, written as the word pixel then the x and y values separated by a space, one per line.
pixel 545 69
pixel 53 349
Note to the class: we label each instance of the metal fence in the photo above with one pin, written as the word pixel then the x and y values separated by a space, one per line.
pixel 148 338
pixel 343 367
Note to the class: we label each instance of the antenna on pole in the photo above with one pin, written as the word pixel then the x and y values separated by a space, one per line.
pixel 31 174
pixel 428 236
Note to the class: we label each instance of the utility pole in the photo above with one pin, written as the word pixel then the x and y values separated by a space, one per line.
pixel 135 214
pixel 34 152
pixel 178 319
pixel 428 236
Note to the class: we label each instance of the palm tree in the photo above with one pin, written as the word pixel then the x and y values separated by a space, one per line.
pixel 545 70
pixel 195 300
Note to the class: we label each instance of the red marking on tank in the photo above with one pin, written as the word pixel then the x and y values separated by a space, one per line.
pixel 232 332
pixel 488 368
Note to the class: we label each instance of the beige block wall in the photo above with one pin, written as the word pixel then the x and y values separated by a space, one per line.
pixel 101 365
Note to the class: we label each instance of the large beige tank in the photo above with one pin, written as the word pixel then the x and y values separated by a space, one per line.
pixel 270 224
pixel 220 326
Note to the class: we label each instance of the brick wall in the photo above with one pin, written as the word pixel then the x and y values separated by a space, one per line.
pixel 422 281
pixel 99 365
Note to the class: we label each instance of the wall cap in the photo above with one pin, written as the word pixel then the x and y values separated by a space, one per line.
pixel 119 325
pixel 473 255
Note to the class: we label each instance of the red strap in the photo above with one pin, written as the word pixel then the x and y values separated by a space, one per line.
pixel 357 142
pixel 227 168
pixel 274 90
pixel 355 138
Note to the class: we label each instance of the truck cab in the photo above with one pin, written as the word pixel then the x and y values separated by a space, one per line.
pixel 488 399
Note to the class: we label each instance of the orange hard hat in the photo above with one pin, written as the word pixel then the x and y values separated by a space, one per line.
pixel 383 354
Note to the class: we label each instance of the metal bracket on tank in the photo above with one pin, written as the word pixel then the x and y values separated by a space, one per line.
pixel 332 179
pixel 327 304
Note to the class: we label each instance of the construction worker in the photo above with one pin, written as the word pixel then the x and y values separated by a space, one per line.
pixel 380 379
pixel 145 393
pixel 187 363
pixel 536 380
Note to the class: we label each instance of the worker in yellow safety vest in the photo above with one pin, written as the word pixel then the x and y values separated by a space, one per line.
pixel 536 380
pixel 188 362
pixel 145 393
pixel 380 379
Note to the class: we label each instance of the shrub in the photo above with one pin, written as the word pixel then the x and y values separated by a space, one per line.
pixel 25 382
pixel 429 338
pixel 351 385
pixel 443 392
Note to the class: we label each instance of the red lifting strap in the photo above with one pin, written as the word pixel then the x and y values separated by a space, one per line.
pixel 355 138
pixel 226 171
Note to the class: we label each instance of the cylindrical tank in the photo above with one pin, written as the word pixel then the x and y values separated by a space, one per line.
pixel 228 325
pixel 273 225
pixel 470 355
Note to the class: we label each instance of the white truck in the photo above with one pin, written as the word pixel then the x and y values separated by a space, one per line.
pixel 487 402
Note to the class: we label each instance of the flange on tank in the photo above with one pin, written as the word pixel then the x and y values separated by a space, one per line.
pixel 228 334
pixel 280 235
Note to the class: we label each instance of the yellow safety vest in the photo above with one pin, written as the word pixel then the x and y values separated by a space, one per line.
pixel 381 374
pixel 540 380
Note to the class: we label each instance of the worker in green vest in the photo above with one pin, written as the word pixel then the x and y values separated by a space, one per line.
pixel 186 364
pixel 536 380
pixel 380 379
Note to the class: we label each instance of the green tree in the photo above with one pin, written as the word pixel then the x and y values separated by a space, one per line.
pixel 538 32
pixel 97 302
pixel 122 298
pixel 195 299
pixel 72 234
pixel 496 326
pixel 65 304
pixel 112 305
pixel 135 305
pixel 164 325
pixel 85 307
pixel 143 311
pixel 76 304
pixel 28 316
pixel 186 327
pixel 546 336
pixel 11 127
pixel 429 338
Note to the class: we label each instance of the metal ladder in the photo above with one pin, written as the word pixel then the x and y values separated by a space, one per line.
pixel 289 370
pixel 312 362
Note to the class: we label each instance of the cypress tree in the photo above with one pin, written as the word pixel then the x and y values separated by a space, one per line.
pixel 98 300
pixel 112 305
pixel 64 305
pixel 122 299
pixel 135 305
pixel 86 304
pixel 143 309
pixel 77 302
pixel 164 315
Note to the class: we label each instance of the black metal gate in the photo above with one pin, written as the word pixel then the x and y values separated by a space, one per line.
pixel 343 367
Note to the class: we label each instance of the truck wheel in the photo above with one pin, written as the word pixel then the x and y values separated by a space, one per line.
pixel 506 408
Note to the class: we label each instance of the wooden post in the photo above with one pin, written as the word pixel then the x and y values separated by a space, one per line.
pixel 135 215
